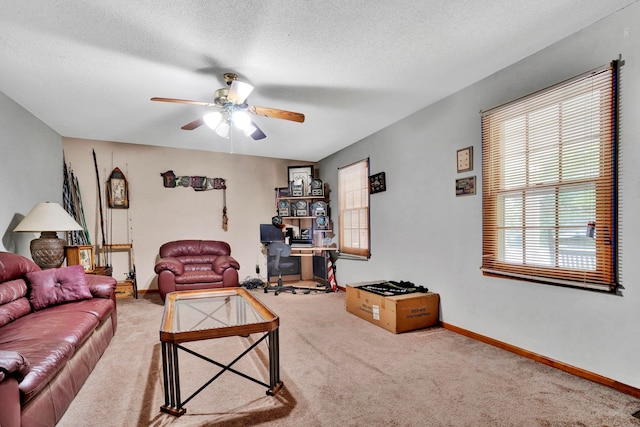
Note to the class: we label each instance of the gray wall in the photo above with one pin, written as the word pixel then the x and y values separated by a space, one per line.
pixel 30 170
pixel 423 233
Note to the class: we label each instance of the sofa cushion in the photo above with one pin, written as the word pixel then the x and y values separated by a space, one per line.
pixel 13 300
pixel 14 310
pixel 57 286
pixel 180 248
pixel 72 326
pixel 14 266
pixel 199 276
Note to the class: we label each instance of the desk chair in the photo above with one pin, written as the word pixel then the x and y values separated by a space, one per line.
pixel 279 250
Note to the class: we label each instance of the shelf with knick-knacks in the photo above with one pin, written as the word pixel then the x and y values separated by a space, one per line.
pixel 307 222
pixel 314 208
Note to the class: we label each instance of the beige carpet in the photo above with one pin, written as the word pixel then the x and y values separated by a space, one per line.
pixel 338 370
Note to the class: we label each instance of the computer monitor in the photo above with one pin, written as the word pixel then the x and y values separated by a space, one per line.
pixel 270 233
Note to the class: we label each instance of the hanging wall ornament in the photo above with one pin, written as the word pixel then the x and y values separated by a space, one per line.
pixel 199 183
pixel 168 179
pixel 118 190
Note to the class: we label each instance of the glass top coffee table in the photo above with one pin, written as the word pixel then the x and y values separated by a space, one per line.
pixel 209 314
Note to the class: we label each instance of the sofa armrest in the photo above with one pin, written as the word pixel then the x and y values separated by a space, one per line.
pixel 224 262
pixel 101 286
pixel 13 368
pixel 13 364
pixel 171 264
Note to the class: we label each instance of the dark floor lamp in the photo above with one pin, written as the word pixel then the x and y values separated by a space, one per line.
pixel 47 218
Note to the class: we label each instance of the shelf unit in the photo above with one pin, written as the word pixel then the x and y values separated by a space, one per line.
pixel 314 216
pixel 129 286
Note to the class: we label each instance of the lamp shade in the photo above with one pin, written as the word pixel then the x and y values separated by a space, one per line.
pixel 47 216
pixel 48 250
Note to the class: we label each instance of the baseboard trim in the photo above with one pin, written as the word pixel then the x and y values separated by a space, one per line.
pixel 623 388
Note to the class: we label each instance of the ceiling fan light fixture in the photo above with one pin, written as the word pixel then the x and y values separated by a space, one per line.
pixel 241 119
pixel 249 130
pixel 223 129
pixel 239 91
pixel 212 119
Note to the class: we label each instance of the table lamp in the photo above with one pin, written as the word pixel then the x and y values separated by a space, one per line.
pixel 47 251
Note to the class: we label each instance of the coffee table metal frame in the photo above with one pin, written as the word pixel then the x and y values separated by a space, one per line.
pixel 173 333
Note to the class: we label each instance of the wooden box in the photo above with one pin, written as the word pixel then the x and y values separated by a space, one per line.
pixel 124 289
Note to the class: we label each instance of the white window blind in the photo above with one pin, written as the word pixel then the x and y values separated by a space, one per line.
pixel 549 184
pixel 353 189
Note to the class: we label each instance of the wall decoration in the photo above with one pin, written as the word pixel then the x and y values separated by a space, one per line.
pixel 199 183
pixel 377 183
pixel 464 159
pixel 300 180
pixel 81 255
pixel 466 186
pixel 118 190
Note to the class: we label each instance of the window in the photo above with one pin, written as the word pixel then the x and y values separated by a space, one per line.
pixel 549 184
pixel 353 203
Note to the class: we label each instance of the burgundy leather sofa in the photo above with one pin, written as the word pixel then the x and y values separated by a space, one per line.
pixel 54 327
pixel 195 264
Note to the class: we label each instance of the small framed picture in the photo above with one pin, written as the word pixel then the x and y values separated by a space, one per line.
pixel 377 183
pixel 466 186
pixel 82 255
pixel 86 258
pixel 464 159
pixel 300 180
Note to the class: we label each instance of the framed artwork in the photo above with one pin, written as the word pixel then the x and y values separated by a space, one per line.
pixel 464 159
pixel 300 180
pixel 377 183
pixel 82 255
pixel 118 190
pixel 466 186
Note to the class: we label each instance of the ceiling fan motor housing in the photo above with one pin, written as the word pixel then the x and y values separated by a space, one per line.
pixel 221 96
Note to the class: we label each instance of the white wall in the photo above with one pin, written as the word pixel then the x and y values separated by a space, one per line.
pixel 423 233
pixel 30 171
pixel 158 214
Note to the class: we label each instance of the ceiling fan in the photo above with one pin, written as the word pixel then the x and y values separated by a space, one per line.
pixel 232 109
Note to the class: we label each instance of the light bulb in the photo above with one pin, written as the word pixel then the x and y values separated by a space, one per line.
pixel 223 129
pixel 241 119
pixel 212 119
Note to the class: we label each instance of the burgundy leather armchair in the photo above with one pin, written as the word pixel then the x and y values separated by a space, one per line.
pixel 195 264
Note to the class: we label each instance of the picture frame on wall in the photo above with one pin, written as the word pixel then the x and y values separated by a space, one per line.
pixel 118 190
pixel 464 159
pixel 300 180
pixel 377 183
pixel 466 186
pixel 81 255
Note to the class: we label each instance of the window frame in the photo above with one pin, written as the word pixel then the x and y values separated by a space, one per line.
pixel 354 191
pixel 605 276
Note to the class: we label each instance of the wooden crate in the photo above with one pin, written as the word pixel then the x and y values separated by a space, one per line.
pixel 124 289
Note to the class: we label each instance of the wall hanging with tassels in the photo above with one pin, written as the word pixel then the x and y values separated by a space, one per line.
pixel 199 183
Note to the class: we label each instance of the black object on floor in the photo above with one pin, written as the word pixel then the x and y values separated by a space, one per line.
pixel 253 284
pixel 392 288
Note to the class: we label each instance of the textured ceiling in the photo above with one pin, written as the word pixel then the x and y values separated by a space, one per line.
pixel 88 68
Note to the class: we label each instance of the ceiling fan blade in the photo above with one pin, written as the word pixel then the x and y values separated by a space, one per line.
pixel 239 91
pixel 277 114
pixel 185 101
pixel 257 134
pixel 193 125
